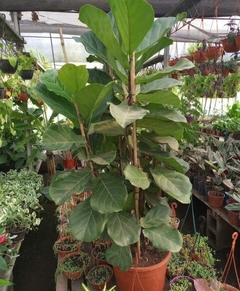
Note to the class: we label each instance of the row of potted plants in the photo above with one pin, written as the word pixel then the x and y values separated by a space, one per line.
pixel 20 193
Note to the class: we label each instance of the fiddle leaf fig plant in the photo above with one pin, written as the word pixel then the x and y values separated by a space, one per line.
pixel 129 124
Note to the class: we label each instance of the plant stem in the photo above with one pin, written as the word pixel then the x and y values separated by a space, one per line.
pixel 82 130
pixel 132 100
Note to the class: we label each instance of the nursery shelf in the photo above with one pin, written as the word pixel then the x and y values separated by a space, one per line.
pixel 218 211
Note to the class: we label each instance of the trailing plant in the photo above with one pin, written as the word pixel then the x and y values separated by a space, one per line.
pixel 104 289
pixel 100 274
pixel 123 122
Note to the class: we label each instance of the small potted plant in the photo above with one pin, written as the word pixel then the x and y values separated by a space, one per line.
pixel 8 63
pixel 26 66
pixel 100 276
pixel 86 288
pixel 73 265
pixel 66 245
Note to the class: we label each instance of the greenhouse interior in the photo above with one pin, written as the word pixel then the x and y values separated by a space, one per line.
pixel 120 145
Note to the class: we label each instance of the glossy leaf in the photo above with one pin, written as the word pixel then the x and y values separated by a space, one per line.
pixel 160 97
pixel 93 45
pixel 119 256
pixel 162 128
pixel 173 183
pixel 123 228
pixel 85 223
pixel 57 103
pixel 165 157
pixel 73 77
pixel 158 31
pixel 160 84
pixel 137 177
pixel 134 19
pixel 51 81
pixel 103 158
pixel 170 141
pixel 125 114
pixel 61 137
pixel 99 22
pixel 182 64
pixel 165 114
pixel 156 216
pixel 68 183
pixel 164 237
pixel 107 127
pixel 3 264
pixel 90 97
pixel 109 194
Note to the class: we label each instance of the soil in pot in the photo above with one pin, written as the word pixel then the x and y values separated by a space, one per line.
pixel 100 275
pixel 215 198
pixel 74 265
pixel 66 245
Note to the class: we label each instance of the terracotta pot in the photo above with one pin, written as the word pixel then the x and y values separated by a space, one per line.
pixel 199 57
pixel 69 164
pixel 214 52
pixel 237 41
pixel 233 217
pixel 225 72
pixel 171 63
pixel 64 253
pixel 105 270
pixel 229 48
pixel 215 198
pixel 143 279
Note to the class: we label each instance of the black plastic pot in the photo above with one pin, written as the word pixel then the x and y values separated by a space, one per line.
pixel 26 74
pixel 1 93
pixel 7 68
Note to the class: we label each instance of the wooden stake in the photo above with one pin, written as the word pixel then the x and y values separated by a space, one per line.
pixel 63 46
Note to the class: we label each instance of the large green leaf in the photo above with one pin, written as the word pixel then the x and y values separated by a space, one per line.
pixel 170 141
pixel 5 282
pixel 85 223
pixel 156 216
pixel 173 183
pixel 164 114
pixel 164 238
pixel 73 77
pixel 103 158
pixel 106 127
pixel 137 177
pixel 50 80
pixel 99 76
pixel 68 183
pixel 90 97
pixel 181 65
pixel 134 19
pixel 153 50
pixel 159 28
pixel 57 103
pixel 125 114
pixel 61 137
pixel 160 97
pixel 93 45
pixel 162 128
pixel 100 24
pixel 160 84
pixel 119 256
pixel 123 228
pixel 167 158
pixel 109 194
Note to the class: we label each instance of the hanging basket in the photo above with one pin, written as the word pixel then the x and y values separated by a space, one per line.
pixel 199 56
pixel 214 52
pixel 26 74
pixel 229 48
pixel 6 67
